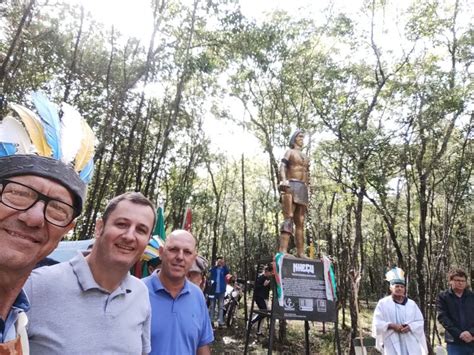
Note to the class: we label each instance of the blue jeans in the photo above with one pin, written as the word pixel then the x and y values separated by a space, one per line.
pixel 220 305
pixel 460 349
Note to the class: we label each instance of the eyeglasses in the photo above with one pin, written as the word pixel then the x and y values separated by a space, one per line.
pixel 459 280
pixel 21 198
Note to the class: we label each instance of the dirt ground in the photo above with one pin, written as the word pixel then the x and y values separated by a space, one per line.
pixel 232 340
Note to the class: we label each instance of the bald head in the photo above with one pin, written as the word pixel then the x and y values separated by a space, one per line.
pixel 178 255
pixel 181 234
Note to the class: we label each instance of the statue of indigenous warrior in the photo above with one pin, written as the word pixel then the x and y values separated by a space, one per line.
pixel 294 194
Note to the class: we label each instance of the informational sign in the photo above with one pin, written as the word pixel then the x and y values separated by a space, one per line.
pixel 304 292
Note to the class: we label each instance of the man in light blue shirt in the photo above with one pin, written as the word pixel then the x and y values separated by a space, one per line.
pixel 9 329
pixel 180 321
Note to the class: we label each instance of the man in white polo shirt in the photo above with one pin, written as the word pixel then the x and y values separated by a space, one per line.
pixel 92 305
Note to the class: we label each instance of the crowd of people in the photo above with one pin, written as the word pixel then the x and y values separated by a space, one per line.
pixel 91 304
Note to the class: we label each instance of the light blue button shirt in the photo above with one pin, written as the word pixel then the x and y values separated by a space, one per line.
pixel 7 327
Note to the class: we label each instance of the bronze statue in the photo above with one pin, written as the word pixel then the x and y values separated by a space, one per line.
pixel 294 194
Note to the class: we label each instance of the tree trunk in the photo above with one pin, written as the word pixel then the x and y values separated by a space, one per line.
pixel 21 26
pixel 72 69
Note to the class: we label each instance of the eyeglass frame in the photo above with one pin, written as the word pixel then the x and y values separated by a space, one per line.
pixel 40 197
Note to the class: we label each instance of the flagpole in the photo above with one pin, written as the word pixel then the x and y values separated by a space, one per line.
pixel 244 214
pixel 184 218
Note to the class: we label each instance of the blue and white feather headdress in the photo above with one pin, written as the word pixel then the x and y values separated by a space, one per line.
pixel 395 276
pixel 45 144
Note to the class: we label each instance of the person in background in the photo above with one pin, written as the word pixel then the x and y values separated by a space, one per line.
pixel 102 308
pixel 41 195
pixel 398 325
pixel 218 274
pixel 455 307
pixel 197 273
pixel 153 264
pixel 262 293
pixel 180 321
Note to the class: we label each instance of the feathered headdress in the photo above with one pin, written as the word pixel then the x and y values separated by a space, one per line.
pixel 395 276
pixel 47 145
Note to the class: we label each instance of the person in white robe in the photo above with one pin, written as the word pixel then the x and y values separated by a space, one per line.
pixel 398 325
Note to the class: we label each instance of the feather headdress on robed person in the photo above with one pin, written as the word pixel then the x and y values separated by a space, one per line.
pixel 395 276
pixel 47 145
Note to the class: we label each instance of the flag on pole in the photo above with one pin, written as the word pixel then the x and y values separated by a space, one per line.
pixel 160 224
pixel 187 220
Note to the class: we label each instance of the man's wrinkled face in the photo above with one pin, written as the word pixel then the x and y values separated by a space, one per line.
pixel 458 284
pixel 178 255
pixel 25 236
pixel 122 239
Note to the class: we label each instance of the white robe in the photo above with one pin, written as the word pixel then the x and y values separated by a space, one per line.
pixel 387 340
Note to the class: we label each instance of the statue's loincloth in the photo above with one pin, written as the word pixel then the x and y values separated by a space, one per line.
pixel 299 192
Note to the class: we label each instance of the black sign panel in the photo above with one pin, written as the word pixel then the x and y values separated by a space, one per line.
pixel 304 292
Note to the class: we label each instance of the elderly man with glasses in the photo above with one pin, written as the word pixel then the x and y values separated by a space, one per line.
pixel 40 197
